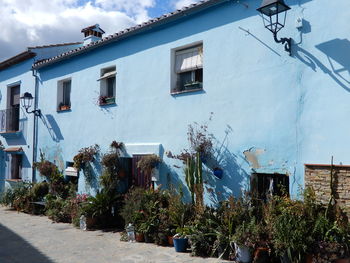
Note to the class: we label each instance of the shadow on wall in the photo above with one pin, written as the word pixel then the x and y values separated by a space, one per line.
pixel 234 176
pixel 171 180
pixel 15 249
pixel 89 177
pixel 52 127
pixel 338 54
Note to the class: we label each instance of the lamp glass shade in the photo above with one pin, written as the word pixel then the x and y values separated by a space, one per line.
pixel 274 13
pixel 27 100
pixel 273 7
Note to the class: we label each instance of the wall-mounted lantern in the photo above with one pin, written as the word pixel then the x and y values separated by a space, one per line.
pixel 27 101
pixel 274 13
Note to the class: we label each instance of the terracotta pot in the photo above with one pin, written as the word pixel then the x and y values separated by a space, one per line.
pixel 140 237
pixel 309 258
pixel 262 255
pixel 171 241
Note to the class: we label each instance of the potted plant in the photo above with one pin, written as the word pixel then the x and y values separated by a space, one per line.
pixel 246 236
pixel 181 239
pixel 63 107
pixel 148 162
pixel 191 85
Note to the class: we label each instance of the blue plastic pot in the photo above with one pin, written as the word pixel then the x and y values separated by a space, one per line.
pixel 218 173
pixel 180 244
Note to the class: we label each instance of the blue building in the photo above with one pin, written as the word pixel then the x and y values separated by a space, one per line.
pixel 273 111
pixel 17 126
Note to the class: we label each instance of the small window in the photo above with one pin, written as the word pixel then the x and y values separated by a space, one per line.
pixel 188 69
pixel 265 185
pixel 107 86
pixel 63 95
pixel 15 167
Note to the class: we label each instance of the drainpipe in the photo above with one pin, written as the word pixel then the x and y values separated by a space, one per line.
pixel 35 124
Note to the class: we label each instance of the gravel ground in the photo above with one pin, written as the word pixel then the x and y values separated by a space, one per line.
pixel 35 239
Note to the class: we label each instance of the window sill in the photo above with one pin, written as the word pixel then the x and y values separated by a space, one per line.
pixel 107 101
pixel 14 180
pixel 66 110
pixel 173 92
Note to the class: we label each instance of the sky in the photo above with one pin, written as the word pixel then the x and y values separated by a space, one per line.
pixel 27 23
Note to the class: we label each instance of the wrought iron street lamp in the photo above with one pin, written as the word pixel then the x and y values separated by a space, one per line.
pixel 274 13
pixel 27 101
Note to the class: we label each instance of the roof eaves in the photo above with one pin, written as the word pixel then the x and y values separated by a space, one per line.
pixel 166 18
pixel 56 45
pixel 17 59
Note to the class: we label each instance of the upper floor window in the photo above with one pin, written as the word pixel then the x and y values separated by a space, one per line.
pixel 188 68
pixel 107 86
pixel 63 94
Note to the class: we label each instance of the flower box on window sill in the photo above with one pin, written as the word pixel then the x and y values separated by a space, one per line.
pixel 181 91
pixel 64 107
pixel 106 100
pixel 193 85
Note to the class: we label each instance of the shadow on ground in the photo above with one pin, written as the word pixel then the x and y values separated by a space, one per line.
pixel 14 249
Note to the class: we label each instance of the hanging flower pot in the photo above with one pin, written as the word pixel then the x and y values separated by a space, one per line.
pixel 218 172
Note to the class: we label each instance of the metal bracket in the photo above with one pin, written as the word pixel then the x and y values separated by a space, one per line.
pixel 287 42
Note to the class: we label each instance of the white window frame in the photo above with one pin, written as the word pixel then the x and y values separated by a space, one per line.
pixel 60 94
pixel 175 71
pixel 107 74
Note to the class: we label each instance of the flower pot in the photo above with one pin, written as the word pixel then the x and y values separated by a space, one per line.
pixel 262 255
pixel 285 258
pixel 218 173
pixel 343 260
pixel 180 244
pixel 110 100
pixel 139 237
pixel 148 238
pixel 243 254
pixel 64 107
pixel 170 241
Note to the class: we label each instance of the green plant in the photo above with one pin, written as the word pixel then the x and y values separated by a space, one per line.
pixel 112 167
pixel 148 162
pixel 57 209
pixel 248 233
pixel 85 155
pixel 47 169
pixel 194 180
pixel 7 197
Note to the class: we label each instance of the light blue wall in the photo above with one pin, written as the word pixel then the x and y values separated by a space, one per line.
pixel 22 75
pixel 284 111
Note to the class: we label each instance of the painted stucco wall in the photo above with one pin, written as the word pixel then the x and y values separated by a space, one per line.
pixel 271 112
pixel 22 75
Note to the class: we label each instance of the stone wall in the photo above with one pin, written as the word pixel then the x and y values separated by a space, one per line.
pixel 318 177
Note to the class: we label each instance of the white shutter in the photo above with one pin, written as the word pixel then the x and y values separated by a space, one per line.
pixel 189 59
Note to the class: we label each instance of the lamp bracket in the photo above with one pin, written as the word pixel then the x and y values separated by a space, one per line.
pixel 287 42
pixel 36 112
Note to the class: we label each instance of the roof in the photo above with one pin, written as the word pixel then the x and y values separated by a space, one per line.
pixel 201 5
pixel 97 26
pixel 17 59
pixel 56 45
pixel 29 54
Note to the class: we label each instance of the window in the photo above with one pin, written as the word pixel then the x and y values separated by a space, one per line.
pixel 14 166
pixel 263 185
pixel 107 86
pixel 63 95
pixel 188 69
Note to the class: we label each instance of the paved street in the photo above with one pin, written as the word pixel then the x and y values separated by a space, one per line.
pixel 35 239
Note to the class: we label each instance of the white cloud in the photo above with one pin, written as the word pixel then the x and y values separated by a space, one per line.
pixel 181 3
pixel 37 22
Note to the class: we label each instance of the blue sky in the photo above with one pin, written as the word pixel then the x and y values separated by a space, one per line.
pixel 42 22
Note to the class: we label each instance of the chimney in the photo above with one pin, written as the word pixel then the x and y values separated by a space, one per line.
pixel 92 34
